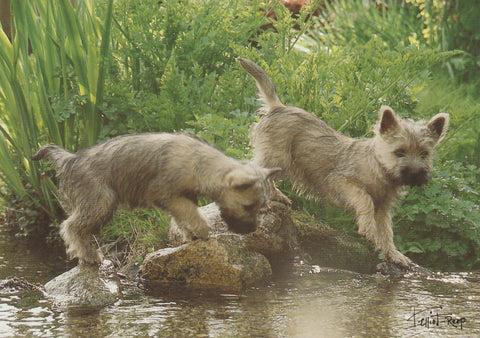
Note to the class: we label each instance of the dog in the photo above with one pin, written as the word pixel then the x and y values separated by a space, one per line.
pixel 163 170
pixel 366 175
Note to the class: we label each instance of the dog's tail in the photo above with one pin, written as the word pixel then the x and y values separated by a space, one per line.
pixel 56 154
pixel 268 94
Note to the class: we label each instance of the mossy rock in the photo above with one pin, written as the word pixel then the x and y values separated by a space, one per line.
pixel 333 248
pixel 220 263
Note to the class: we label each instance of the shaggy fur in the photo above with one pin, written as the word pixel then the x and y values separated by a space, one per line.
pixel 366 175
pixel 163 170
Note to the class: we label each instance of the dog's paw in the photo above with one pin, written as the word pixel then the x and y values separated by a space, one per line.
pixel 418 270
pixel 280 198
pixel 202 233
pixel 90 261
pixel 398 265
pixel 399 259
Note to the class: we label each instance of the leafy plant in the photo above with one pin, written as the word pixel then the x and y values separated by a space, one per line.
pixel 449 25
pixel 58 52
pixel 462 142
pixel 439 224
pixel 173 54
pixel 229 133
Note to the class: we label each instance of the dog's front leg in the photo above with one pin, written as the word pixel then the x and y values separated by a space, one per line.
pixel 276 195
pixel 384 238
pixel 374 222
pixel 354 197
pixel 189 219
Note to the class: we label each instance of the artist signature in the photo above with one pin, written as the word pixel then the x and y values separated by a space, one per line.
pixel 433 317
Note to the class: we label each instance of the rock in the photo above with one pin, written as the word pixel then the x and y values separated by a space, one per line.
pixel 225 260
pixel 14 283
pixel 395 271
pixel 333 248
pixel 84 286
pixel 274 238
pixel 222 262
pixel 276 235
pixel 231 261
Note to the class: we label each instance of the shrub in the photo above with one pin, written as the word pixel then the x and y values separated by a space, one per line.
pixel 439 224
pixel 172 57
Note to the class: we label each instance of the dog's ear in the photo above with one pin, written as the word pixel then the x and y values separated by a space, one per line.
pixel 271 171
pixel 438 126
pixel 388 121
pixel 240 181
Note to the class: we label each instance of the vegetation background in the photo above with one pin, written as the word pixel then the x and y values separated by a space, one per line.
pixel 77 75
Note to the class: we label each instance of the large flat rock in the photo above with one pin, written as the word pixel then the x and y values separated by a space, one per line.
pixel 222 262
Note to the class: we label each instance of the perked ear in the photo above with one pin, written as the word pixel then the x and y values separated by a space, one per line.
pixel 438 125
pixel 271 171
pixel 240 181
pixel 388 120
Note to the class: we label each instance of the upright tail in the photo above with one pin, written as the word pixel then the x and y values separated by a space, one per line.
pixel 268 94
pixel 56 154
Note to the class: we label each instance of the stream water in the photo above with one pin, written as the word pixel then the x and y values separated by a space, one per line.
pixel 324 304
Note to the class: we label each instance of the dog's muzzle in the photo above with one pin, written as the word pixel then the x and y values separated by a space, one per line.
pixel 414 176
pixel 242 225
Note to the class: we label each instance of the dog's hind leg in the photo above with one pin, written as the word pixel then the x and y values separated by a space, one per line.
pixel 86 219
pixel 78 240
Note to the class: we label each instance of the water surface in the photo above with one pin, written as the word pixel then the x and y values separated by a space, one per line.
pixel 325 304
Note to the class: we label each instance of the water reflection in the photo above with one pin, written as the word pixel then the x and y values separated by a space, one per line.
pixel 33 260
pixel 325 304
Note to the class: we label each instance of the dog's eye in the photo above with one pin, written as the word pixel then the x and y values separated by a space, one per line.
pixel 424 154
pixel 399 153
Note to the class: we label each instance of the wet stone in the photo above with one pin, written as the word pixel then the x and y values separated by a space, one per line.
pixel 226 260
pixel 222 262
pixel 84 286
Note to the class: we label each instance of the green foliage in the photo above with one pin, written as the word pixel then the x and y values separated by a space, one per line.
pixel 441 25
pixel 58 54
pixel 346 21
pixel 450 25
pixel 462 142
pixel 229 133
pixel 439 224
pixel 131 66
pixel 173 55
pixel 346 85
pixel 136 232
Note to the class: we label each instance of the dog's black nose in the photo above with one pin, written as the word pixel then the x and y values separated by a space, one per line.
pixel 413 176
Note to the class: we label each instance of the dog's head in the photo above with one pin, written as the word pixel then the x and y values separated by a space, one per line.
pixel 405 148
pixel 246 191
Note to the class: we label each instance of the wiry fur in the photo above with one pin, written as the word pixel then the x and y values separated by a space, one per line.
pixel 366 175
pixel 164 170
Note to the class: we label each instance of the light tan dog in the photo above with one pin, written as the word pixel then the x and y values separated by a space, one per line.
pixel 366 175
pixel 164 170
